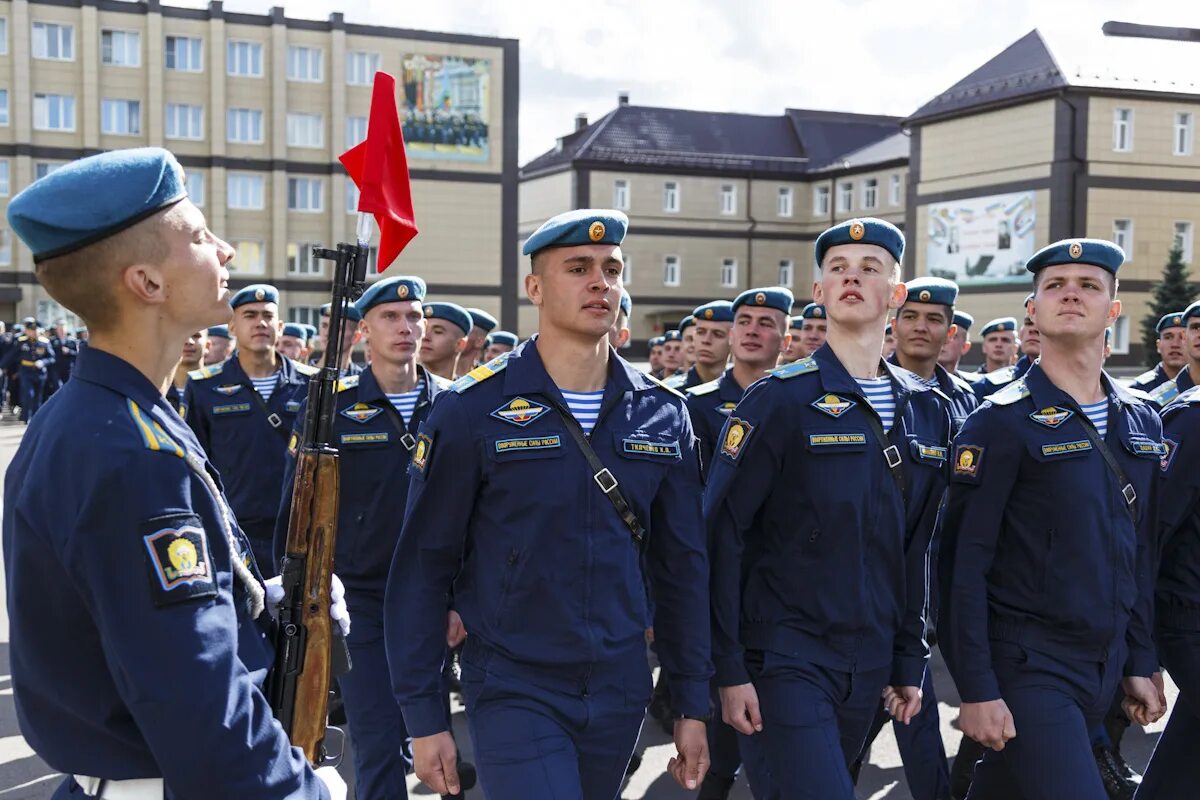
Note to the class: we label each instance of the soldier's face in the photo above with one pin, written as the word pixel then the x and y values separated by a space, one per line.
pixel 290 346
pixel 442 341
pixel 813 334
pixel 920 330
pixel 953 350
pixel 1031 339
pixel 656 357
pixel 711 342
pixel 672 355
pixel 577 289
pixel 195 267
pixel 758 336
pixel 858 285
pixel 494 350
pixel 1193 339
pixel 1000 346
pixel 256 327
pixel 195 348
pixel 394 331
pixel 1073 302
pixel 689 343
pixel 218 350
pixel 1172 347
pixel 795 349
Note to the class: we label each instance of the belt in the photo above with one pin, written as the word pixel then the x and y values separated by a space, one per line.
pixel 136 789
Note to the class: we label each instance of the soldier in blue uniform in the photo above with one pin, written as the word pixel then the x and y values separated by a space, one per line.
pixel 447 326
pixel 794 351
pixel 814 327
pixel 709 331
pixel 190 360
pixel 1172 353
pixel 32 357
pixel 687 331
pixel 1189 375
pixel 499 342
pixel 552 592
pixel 243 411
pixel 999 347
pixel 889 340
pixel 958 346
pixel 220 345
pixel 672 353
pixel 1045 604
pixel 66 349
pixel 293 343
pixel 138 633
pixel 820 506
pixel 482 323
pixel 351 335
pixel 655 345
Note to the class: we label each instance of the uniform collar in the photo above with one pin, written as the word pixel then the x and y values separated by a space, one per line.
pixel 525 373
pixel 1183 381
pixel 728 388
pixel 834 377
pixel 233 368
pixel 104 369
pixel 1046 394
pixel 369 388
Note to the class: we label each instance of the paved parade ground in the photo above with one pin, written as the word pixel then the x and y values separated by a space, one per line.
pixel 24 777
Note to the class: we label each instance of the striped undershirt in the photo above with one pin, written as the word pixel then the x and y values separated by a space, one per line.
pixel 406 402
pixel 1098 414
pixel 585 407
pixel 265 386
pixel 878 392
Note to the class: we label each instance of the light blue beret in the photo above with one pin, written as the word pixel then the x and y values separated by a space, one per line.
pixel 716 311
pixel 1028 298
pixel 452 313
pixel 1191 311
pixel 932 290
pixel 400 289
pixel 686 322
pixel 1173 320
pixel 1096 252
pixel 310 331
pixel 255 293
pixel 352 314
pixel 626 303
pixel 1001 324
pixel 502 337
pixel 295 329
pixel 657 341
pixel 887 329
pixel 866 230
pixel 963 320
pixel 775 297
pixel 582 226
pixel 93 198
pixel 482 319
pixel 797 322
pixel 30 321
pixel 672 336
pixel 813 311
pixel 219 331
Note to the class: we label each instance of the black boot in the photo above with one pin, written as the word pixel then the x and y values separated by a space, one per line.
pixel 715 788
pixel 1116 784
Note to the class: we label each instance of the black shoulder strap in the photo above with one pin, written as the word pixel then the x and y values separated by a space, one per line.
pixel 273 419
pixel 1123 481
pixel 891 453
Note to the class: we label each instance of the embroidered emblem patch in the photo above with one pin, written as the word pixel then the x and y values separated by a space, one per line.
pixel 365 438
pixel 1172 447
pixel 1065 448
pixel 178 561
pixel 361 412
pixel 519 411
pixel 836 439
pixel 529 443
pixel 726 408
pixel 232 408
pixel 967 458
pixel 642 447
pixel 228 388
pixel 737 432
pixel 421 453
pixel 1052 417
pixel 833 405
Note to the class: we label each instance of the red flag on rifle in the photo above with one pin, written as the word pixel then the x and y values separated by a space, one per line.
pixel 379 168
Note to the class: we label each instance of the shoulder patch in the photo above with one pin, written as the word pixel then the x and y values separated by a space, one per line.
pixel 305 369
pixel 663 385
pixel 1000 376
pixel 153 436
pixel 1010 394
pixel 206 372
pixel 705 388
pixel 178 561
pixel 1146 376
pixel 346 383
pixel 481 373
pixel 1165 393
pixel 441 383
pixel 801 367
pixel 675 382
pixel 1140 394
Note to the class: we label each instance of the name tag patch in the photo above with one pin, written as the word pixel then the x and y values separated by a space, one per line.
pixel 231 408
pixel 1063 448
pixel 836 439
pixel 360 412
pixel 178 561
pixel 930 451
pixel 1147 447
pixel 529 443
pixel 642 447
pixel 365 438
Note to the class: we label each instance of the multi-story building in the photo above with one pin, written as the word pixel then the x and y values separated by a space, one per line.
pixel 257 108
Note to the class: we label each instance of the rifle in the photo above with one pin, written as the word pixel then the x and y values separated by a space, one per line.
pixel 308 652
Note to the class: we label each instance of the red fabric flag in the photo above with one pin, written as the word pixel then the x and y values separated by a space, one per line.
pixel 379 168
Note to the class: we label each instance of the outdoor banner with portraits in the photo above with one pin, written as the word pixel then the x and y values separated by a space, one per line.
pixel 446 107
pixel 982 240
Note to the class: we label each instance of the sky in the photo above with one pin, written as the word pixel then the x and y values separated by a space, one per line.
pixel 749 56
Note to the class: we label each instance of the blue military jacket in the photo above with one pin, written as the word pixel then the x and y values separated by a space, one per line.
pixel 710 404
pixel 374 447
pixel 134 653
pixel 960 395
pixel 25 354
pixel 65 352
pixel 1178 586
pixel 1151 379
pixel 245 436
pixel 991 382
pixel 547 572
pixel 1038 544
pixel 816 552
pixel 1168 390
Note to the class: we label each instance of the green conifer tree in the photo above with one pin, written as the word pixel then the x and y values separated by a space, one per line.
pixel 1173 293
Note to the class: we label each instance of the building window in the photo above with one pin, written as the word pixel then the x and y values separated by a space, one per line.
pixel 1122 130
pixel 671 271
pixel 894 190
pixel 53 41
pixel 305 130
pixel 184 54
pixel 250 258
pixel 821 201
pixel 4 177
pixel 305 315
pixel 306 194
pixel 5 247
pixel 787 272
pixel 845 196
pixel 195 188
pixel 43 168
pixel 356 130
pixel 244 125
pixel 621 195
pixel 1183 133
pixel 1183 239
pixel 627 271
pixel 305 64
pixel 1120 339
pixel 121 48
pixel 121 117
pixel 728 198
pixel 185 122
pixel 300 259
pixel 244 191
pixel 3 36
pixel 671 197
pixel 3 106
pixel 53 112
pixel 783 201
pixel 244 59
pixel 1123 236
pixel 361 68
pixel 728 273
pixel 870 198
pixel 373 260
pixel 351 197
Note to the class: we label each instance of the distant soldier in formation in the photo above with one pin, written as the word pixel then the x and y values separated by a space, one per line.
pixel 1172 352
pixel 447 326
pixel 220 345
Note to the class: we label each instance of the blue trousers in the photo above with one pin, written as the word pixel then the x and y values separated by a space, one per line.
pixel 1055 703
pixel 724 754
pixel 382 746
pixel 1174 770
pixel 31 394
pixel 553 734
pixel 815 720
pixel 920 746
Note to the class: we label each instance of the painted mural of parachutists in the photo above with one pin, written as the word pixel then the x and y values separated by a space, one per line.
pixel 446 107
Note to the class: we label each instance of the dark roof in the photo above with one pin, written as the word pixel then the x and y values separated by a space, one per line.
pixel 828 135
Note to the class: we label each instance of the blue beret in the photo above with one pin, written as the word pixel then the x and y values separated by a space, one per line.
pixel 1096 252
pixel 813 311
pixel 295 329
pixel 451 312
pixel 626 303
pixel 963 320
pixel 657 341
pixel 1173 320
pixel 310 330
pixel 255 293
pixel 503 337
pixel 672 336
pixel 887 329
pixel 797 322
pixel 1191 311
pixel 1028 298
pixel 686 322
pixel 775 297
pixel 716 311
pixel 867 230
pixel 352 312
pixel 482 319
pixel 582 226
pixel 1001 324
pixel 93 198
pixel 398 289
pixel 1108 334
pixel 220 331
pixel 30 321
pixel 932 290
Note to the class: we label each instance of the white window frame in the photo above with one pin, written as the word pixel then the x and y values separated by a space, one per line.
pixel 196 186
pixel 353 68
pixel 727 203
pixel 870 194
pixel 300 125
pixel 113 109
pixel 1123 236
pixel 46 167
pixel 729 273
pixel 4 108
pixel 41 117
pixel 1120 336
pixel 785 201
pixel 194 47
pixel 306 315
pixel 245 191
pixel 40 40
pixel 240 58
pixel 787 272
pixel 671 199
pixel 627 270
pixel 1184 237
pixel 238 265
pixel 354 126
pixel 238 118
pixel 845 196
pixel 621 194
pixel 672 270
pixel 1185 126
pixel 125 36
pixel 895 197
pixel 3 36
pixel 5 247
pixel 352 194
pixel 1122 130
pixel 306 194
pixel 187 113
pixel 302 55
pixel 300 260
pixel 822 197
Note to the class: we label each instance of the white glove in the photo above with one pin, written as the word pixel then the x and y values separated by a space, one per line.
pixel 338 611
pixel 39 364
pixel 333 782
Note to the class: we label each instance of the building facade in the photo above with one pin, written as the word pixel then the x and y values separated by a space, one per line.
pixel 257 108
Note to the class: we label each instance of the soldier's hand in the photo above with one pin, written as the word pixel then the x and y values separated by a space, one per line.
pixel 989 723
pixel 456 634
pixel 739 708
pixel 435 760
pixel 902 702
pixel 691 760
pixel 1143 702
pixel 333 782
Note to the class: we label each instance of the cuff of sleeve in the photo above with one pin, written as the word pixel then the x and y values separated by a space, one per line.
pixel 690 698
pixel 424 717
pixel 978 688
pixel 1141 664
pixel 908 671
pixel 731 671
